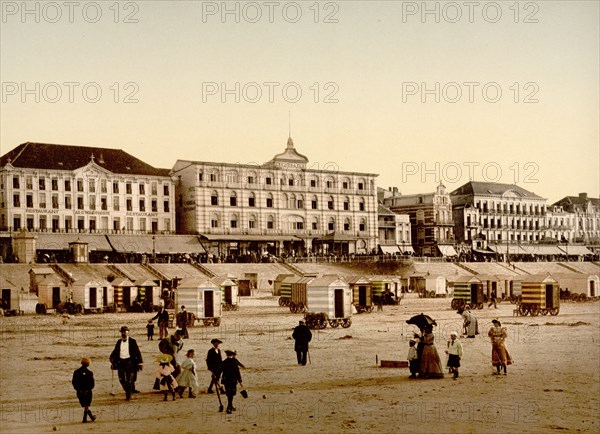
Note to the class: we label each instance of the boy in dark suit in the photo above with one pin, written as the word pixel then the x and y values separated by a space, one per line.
pixel 83 383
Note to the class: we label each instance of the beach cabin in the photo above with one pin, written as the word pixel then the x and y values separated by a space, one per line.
pixel 381 286
pixel 331 296
pixel 581 285
pixel 540 294
pixel 299 289
pixel 125 293
pixel 277 284
pixel 147 295
pixel 51 289
pixel 229 291
pixel 285 289
pixel 201 297
pixel 362 293
pixel 468 290
pixel 92 296
pixel 15 289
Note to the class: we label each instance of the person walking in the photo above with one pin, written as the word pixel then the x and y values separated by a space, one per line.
pixel 187 377
pixel 164 374
pixel 470 324
pixel 455 353
pixel 493 299
pixel 302 336
pixel 150 330
pixel 230 377
pixel 163 322
pixel 83 383
pixel 214 360
pixel 127 359
pixel 431 365
pixel 182 322
pixel 500 356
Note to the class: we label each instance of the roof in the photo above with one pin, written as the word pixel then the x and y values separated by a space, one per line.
pixel 53 241
pixel 327 281
pixel 384 210
pixel 492 188
pixel 161 243
pixel 578 200
pixel 68 157
pixel 290 155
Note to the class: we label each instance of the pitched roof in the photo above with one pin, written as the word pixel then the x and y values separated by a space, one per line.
pixel 68 157
pixel 492 188
pixel 577 200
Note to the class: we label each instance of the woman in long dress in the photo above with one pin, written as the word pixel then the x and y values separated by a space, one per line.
pixel 431 365
pixel 187 377
pixel 470 323
pixel 500 356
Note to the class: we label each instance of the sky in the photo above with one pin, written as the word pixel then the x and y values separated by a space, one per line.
pixel 417 92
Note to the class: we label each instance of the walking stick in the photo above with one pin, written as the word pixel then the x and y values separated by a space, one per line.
pixel 112 383
pixel 309 361
pixel 218 396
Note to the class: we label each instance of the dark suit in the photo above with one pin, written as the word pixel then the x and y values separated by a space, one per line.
pixel 231 376
pixel 302 335
pixel 83 383
pixel 127 367
pixel 214 361
pixel 163 322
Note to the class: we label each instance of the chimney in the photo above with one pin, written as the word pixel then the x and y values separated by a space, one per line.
pixel 583 196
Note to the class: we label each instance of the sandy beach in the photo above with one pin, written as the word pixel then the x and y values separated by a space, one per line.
pixel 552 386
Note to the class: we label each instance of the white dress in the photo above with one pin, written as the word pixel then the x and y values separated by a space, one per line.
pixel 187 377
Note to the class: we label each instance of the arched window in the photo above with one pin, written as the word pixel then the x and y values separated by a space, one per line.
pixel 331 224
pixel 214 198
pixel 252 221
pixel 251 200
pixel 346 204
pixel 233 198
pixel 330 203
pixel 363 225
pixel 214 220
pixel 361 204
pixel 270 222
pixel 347 224
pixel 315 223
pixel 291 201
pixel 233 223
pixel 269 201
pixel 314 203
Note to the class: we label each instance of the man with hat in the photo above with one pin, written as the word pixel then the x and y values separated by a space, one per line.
pixel 231 376
pixel 214 362
pixel 127 359
pixel 182 322
pixel 302 335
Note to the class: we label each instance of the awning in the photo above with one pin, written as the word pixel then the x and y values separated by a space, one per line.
pixel 54 241
pixel 162 244
pixel 407 250
pixel 447 250
pixel 336 237
pixel 132 243
pixel 575 250
pixel 178 244
pixel 392 250
pixel 542 249
pixel 265 238
pixel 484 252
pixel 512 249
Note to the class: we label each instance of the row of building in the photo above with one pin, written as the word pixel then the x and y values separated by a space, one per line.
pixel 282 207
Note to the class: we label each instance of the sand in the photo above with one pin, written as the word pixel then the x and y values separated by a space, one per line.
pixel 552 386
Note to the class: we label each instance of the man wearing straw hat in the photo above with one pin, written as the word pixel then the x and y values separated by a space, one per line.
pixel 127 359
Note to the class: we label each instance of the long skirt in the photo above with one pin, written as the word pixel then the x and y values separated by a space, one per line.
pixel 431 365
pixel 500 355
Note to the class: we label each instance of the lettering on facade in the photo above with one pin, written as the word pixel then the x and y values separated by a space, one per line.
pixel 141 214
pixel 41 210
pixel 88 212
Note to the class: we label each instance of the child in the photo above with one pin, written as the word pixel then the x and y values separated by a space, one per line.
pixel 164 373
pixel 231 376
pixel 150 328
pixel 83 383
pixel 413 359
pixel 455 352
pixel 187 377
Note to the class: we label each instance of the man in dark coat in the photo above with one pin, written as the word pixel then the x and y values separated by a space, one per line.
pixel 302 335
pixel 83 383
pixel 182 322
pixel 214 360
pixel 163 322
pixel 127 359
pixel 231 376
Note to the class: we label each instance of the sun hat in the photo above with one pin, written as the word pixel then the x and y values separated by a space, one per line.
pixel 230 352
pixel 164 358
pixel 216 341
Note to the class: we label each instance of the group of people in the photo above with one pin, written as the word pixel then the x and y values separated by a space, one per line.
pixel 424 360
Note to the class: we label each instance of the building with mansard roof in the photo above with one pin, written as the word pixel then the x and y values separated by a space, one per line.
pixel 585 213
pixel 283 206
pixel 63 188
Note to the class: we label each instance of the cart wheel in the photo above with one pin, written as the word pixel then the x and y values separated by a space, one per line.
pixel 534 310
pixel 513 300
pixel 300 307
pixel 281 302
pixel 347 322
pixel 582 297
pixel 206 322
pixel 334 323
pixel 216 322
pixel 523 309
pixel 293 307
pixel 480 306
pixel 544 312
pixel 322 324
pixel 554 311
pixel 370 308
pixel 574 297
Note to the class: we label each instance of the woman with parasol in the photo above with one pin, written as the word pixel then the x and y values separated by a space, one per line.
pixel 430 363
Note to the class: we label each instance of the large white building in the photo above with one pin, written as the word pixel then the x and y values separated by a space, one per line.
pixel 62 188
pixel 280 207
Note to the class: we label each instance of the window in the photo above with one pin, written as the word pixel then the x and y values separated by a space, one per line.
pixel 214 222
pixel 331 225
pixel 42 200
pixel 91 186
pixel 79 202
pixel 80 185
pixel 314 226
pixel 361 186
pixel 345 185
pixel 361 206
pixel 103 203
pixel 128 188
pixel 154 188
pixel 251 180
pixel 252 223
pixel 128 204
pixel 269 202
pixel 165 190
pixel 268 180
pixel 42 183
pixel 251 201
pixel 29 183
pixel 233 201
pixel 115 187
pixel 166 206
pixel 54 201
pixel 17 222
pixel 291 182
pixel 116 203
pixel 361 226
pixel 167 225
pixel 297 226
pixel 142 205
pixel 233 223
pixel 330 204
pixel 143 224
pixel 200 176
pixel 270 224
pixel 16 182
pixel 347 225
pixel 214 199
pixel 346 205
pixel 129 223
pixel 213 177
pixel 313 182
pixel 314 204
pixel 68 201
pixel 300 204
pixel 329 184
pixel 142 188
pixel 154 205
pixel 29 201
pixel 103 186
pixel 67 185
pixel 43 222
pixel 54 184
pixel 92 204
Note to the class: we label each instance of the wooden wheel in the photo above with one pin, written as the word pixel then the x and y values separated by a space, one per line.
pixel 281 301
pixel 480 306
pixel 544 312
pixel 574 297
pixel 523 309
pixel 534 310
pixel 582 297
pixel 347 322
pixel 334 323
pixel 293 307
pixel 301 307
pixel 216 322
pixel 554 311
pixel 207 321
